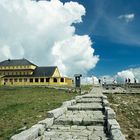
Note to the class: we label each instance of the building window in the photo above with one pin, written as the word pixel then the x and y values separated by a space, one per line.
pixel 62 80
pixel 15 80
pixel 55 80
pixel 42 80
pixel 20 80
pixel 5 80
pixel 11 81
pixel 31 80
pixel 47 79
pixel 36 80
pixel 25 79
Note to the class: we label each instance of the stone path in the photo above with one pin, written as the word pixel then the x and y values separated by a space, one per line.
pixel 87 117
pixel 82 121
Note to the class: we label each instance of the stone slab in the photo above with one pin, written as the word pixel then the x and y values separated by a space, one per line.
pixel 89 106
pixel 56 112
pixel 47 122
pixel 30 134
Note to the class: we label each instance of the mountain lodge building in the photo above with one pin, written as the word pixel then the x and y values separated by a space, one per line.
pixel 22 72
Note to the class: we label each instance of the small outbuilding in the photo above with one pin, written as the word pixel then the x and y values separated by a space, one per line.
pixel 78 80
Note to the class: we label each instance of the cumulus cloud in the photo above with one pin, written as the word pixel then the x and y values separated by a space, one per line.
pixel 133 73
pixel 95 80
pixel 126 74
pixel 5 51
pixel 89 80
pixel 43 32
pixel 76 53
pixel 127 17
pixel 86 80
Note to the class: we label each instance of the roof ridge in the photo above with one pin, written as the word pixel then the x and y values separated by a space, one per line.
pixel 46 66
pixel 14 61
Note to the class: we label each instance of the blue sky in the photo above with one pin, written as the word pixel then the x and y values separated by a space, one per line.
pixel 116 40
pixel 51 32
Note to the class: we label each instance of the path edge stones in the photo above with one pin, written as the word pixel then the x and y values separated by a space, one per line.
pixel 38 129
pixel 112 127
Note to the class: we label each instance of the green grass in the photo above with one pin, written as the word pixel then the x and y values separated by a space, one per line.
pixel 21 107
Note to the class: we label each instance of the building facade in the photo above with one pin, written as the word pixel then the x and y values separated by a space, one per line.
pixel 23 73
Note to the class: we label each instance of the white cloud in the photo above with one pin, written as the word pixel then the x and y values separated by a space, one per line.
pixel 5 50
pixel 127 17
pixel 43 32
pixel 126 74
pixel 75 53
pixel 88 80
pixel 95 80
pixel 130 73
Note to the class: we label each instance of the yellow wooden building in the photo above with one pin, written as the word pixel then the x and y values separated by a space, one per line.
pixel 23 72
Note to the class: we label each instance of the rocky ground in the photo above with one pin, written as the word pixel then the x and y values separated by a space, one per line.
pixel 127 108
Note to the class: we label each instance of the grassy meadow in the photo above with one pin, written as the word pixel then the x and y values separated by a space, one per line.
pixel 21 107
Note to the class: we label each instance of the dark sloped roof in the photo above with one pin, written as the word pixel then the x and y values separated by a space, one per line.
pixel 16 62
pixel 44 71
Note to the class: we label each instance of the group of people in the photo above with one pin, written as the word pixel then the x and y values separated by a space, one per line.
pixel 128 80
pixel 103 81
